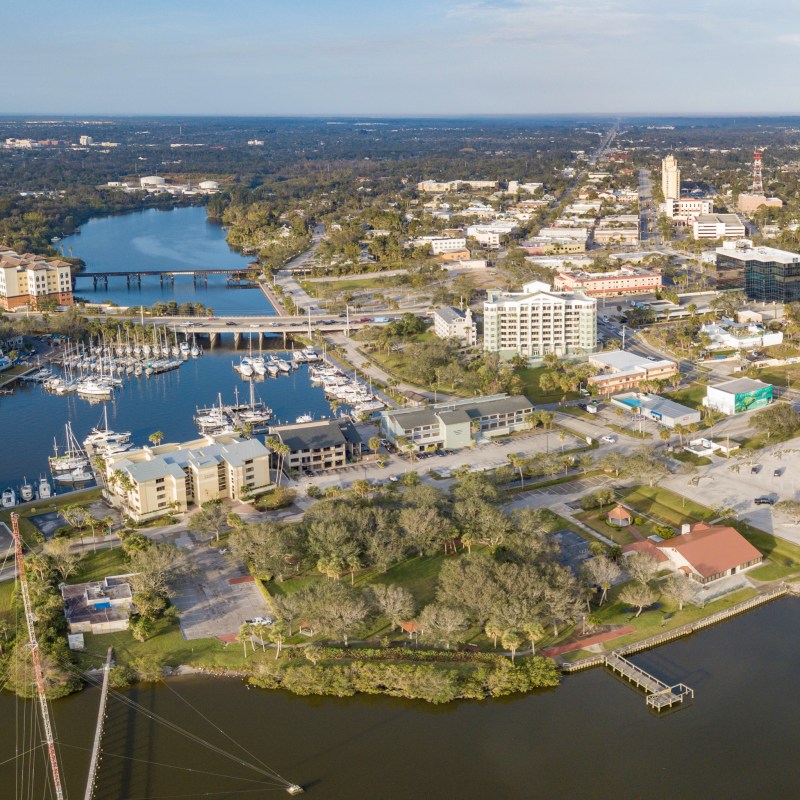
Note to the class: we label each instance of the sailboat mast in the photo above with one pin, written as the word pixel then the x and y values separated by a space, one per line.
pixel 37 666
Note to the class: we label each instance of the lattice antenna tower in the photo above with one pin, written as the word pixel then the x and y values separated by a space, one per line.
pixel 44 709
pixel 758 182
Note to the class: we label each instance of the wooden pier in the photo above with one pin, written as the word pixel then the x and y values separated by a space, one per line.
pixel 659 694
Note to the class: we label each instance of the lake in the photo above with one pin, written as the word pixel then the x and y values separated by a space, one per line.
pixel 178 239
pixel 592 737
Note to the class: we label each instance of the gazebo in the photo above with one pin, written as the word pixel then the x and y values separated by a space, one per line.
pixel 619 516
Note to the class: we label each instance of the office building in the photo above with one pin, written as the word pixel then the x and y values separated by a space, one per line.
pixel 686 209
pixel 538 321
pixel 621 370
pixel 765 273
pixel 626 280
pixel 717 226
pixel 458 423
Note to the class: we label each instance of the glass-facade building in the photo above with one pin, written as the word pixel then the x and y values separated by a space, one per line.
pixel 765 273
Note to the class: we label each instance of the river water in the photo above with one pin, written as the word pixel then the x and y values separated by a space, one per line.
pixel 591 737
pixel 179 239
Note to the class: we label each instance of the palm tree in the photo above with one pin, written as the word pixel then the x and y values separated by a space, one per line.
pixel 664 434
pixel 517 462
pixel 374 444
pixel 534 630
pixel 493 630
pixel 156 438
pixel 511 640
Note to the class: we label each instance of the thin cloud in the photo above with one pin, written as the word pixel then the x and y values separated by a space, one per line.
pixel 789 38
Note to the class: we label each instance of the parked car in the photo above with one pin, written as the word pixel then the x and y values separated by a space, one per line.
pixel 260 621
pixel 754 469
pixel 609 439
pixel 394 478
pixel 768 501
pixel 777 473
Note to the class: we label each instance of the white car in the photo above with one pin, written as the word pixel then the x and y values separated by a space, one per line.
pixel 609 439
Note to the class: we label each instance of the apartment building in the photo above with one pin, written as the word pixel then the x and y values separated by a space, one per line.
pixel 687 209
pixel 718 226
pixel 621 229
pixel 151 481
pixel 318 445
pixel 442 244
pixel 29 280
pixel 458 423
pixel 451 323
pixel 626 280
pixel 454 186
pixel 765 273
pixel 538 321
pixel 670 178
pixel 621 371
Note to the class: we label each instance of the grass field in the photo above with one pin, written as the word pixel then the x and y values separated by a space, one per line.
pixel 664 505
pixel 530 387
pixel 784 557
pixel 692 396
pixel 619 535
pixel 318 288
pixel 101 564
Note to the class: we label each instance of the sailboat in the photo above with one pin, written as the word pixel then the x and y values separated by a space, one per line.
pixel 74 456
pixel 104 435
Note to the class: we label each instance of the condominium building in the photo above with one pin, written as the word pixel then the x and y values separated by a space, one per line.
pixel 538 321
pixel 155 480
pixel 456 424
pixel 29 280
pixel 765 273
pixel 321 444
pixel 670 178
pixel 686 209
pixel 442 244
pixel 451 323
pixel 718 226
pixel 626 280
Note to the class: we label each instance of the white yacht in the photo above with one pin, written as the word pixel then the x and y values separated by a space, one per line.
pixel 45 491
pixel 26 491
pixel 104 435
pixel 8 499
pixel 79 475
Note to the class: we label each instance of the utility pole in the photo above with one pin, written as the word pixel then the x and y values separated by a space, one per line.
pixel 37 666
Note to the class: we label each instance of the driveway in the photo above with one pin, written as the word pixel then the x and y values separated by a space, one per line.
pixel 219 595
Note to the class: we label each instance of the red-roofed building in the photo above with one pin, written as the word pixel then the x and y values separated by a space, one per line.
pixel 619 516
pixel 705 552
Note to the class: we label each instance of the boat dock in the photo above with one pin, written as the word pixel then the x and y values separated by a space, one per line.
pixel 660 695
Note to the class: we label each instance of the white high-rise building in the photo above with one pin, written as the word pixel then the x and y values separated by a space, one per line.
pixel 670 178
pixel 538 321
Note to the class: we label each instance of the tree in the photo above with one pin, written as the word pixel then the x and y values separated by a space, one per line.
pixel 642 567
pixel 335 609
pixel 603 572
pixel 210 519
pixel 493 630
pixel 665 435
pixel 680 588
pixel 141 628
pixel 75 516
pixel 156 438
pixel 534 630
pixel 289 608
pixel 779 420
pixel 277 633
pixel 511 640
pixel 517 462
pixel 374 443
pixel 639 595
pixel 443 623
pixel 155 567
pixel 64 560
pixel 395 602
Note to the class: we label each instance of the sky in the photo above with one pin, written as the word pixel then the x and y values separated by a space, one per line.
pixel 399 57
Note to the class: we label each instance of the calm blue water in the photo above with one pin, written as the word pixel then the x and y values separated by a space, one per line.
pixel 30 418
pixel 178 239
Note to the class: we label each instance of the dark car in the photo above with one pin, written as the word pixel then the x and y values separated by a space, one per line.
pixel 754 469
pixel 764 501
pixel 777 473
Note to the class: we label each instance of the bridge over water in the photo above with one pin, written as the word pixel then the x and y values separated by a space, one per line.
pixel 233 275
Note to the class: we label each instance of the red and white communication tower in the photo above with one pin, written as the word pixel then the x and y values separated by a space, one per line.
pixel 758 183
pixel 37 666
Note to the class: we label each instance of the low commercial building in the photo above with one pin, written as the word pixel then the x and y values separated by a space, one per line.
pixel 29 280
pixel 544 246
pixel 738 396
pixel 98 606
pixel 622 229
pixel 626 280
pixel 442 244
pixel 659 409
pixel 153 481
pixel 538 321
pixel 717 226
pixel 451 323
pixel 621 370
pixel 456 424
pixel 318 445
pixel 729 335
pixel 453 186
pixel 752 202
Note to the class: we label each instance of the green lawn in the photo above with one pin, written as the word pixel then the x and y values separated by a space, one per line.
pixel 691 458
pixel 530 387
pixel 317 288
pixel 101 564
pixel 664 505
pixel 418 575
pixel 6 595
pixel 619 535
pixel 629 432
pixel 691 396
pixel 784 557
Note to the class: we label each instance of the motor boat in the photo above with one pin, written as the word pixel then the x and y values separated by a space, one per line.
pixel 26 491
pixel 304 418
pixel 8 499
pixel 79 475
pixel 45 492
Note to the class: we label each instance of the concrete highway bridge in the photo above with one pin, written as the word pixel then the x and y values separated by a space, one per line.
pixel 134 277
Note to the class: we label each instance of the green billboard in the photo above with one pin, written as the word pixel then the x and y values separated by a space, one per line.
pixel 749 401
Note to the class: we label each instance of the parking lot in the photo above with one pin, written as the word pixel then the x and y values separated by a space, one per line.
pixel 574 550
pixel 219 595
